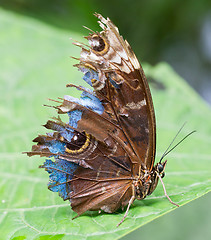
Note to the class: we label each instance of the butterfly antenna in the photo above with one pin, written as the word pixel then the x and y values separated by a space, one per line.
pixel 169 149
pixel 164 154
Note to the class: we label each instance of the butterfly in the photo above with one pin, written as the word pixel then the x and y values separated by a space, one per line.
pixel 104 157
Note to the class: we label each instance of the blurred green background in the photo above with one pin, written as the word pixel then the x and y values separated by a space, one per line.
pixel 178 32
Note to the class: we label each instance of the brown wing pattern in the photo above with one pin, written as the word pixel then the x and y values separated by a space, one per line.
pixel 123 89
pixel 109 140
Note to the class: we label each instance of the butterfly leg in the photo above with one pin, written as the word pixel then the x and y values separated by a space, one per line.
pixel 164 189
pixel 128 206
pixel 75 216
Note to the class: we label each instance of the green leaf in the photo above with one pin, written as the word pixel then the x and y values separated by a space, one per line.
pixel 34 67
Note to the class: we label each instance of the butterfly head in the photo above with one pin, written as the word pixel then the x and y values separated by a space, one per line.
pixel 160 167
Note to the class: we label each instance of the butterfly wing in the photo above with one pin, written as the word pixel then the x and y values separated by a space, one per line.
pixel 111 131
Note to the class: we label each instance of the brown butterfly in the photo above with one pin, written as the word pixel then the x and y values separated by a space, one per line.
pixel 104 157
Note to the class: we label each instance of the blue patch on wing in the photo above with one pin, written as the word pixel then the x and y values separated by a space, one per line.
pixel 92 102
pixel 61 171
pixel 74 117
pixel 55 146
pixel 89 74
pixel 87 100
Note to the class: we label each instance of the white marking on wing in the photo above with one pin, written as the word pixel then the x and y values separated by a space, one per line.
pixel 137 105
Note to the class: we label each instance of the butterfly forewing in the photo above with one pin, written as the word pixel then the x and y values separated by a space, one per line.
pixel 122 87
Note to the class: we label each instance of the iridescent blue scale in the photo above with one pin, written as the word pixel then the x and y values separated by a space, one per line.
pixel 60 172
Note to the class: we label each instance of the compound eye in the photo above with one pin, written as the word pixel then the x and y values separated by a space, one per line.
pixel 160 167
